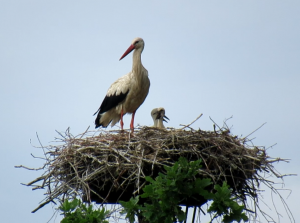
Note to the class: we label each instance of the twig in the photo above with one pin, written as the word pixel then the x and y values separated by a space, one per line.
pixel 185 126
pixel 194 215
pixel 28 168
pixel 254 130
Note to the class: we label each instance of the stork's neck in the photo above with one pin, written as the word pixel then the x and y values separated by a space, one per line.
pixel 155 122
pixel 160 123
pixel 137 65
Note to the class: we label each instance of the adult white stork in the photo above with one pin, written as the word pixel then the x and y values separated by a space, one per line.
pixel 127 93
pixel 158 115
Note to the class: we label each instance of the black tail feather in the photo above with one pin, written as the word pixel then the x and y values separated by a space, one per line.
pixel 97 120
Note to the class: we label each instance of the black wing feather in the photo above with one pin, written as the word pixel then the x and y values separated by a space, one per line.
pixel 108 103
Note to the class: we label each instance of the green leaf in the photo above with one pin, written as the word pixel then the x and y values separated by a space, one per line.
pixel 149 179
pixel 148 191
pixel 65 207
pixel 181 216
pixel 73 204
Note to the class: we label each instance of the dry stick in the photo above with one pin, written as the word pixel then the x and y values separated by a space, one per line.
pixel 61 134
pixel 287 209
pixel 42 205
pixel 84 184
pixel 184 126
pixel 119 152
pixel 215 124
pixel 225 122
pixel 154 161
pixel 275 206
pixel 194 214
pixel 40 143
pixel 28 168
pixel 82 134
pixel 254 130
pixel 107 194
pixel 37 157
pixel 186 212
pixel 123 192
pixel 232 177
pixel 139 165
pixel 128 178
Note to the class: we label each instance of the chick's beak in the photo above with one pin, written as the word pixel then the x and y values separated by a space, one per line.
pixel 164 119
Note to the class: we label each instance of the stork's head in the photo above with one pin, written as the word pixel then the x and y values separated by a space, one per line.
pixel 158 116
pixel 137 43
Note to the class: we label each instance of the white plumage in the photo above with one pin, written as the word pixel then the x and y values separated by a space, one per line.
pixel 127 93
pixel 158 116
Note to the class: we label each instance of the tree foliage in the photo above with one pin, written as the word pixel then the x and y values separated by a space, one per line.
pixel 77 212
pixel 164 194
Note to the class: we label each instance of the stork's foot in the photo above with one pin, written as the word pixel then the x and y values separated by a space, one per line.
pixel 122 131
pixel 131 132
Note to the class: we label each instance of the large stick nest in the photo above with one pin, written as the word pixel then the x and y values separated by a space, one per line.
pixel 109 166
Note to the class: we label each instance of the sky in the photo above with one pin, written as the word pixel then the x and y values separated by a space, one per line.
pixel 223 59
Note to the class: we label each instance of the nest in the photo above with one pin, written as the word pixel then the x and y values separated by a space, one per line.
pixel 109 166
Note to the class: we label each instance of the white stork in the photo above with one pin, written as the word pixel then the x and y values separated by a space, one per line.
pixel 158 115
pixel 127 93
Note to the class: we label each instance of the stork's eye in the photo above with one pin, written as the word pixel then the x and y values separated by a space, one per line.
pixel 136 42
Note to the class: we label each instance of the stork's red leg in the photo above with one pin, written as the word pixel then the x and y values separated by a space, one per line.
pixel 121 122
pixel 132 121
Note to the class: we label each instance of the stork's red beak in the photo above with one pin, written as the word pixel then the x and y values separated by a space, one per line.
pixel 127 51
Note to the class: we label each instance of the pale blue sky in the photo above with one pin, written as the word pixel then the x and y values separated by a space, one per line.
pixel 220 58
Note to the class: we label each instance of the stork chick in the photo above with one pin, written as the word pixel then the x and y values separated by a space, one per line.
pixel 127 93
pixel 158 116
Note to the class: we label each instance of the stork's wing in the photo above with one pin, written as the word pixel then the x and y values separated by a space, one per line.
pixel 115 94
pixel 110 102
